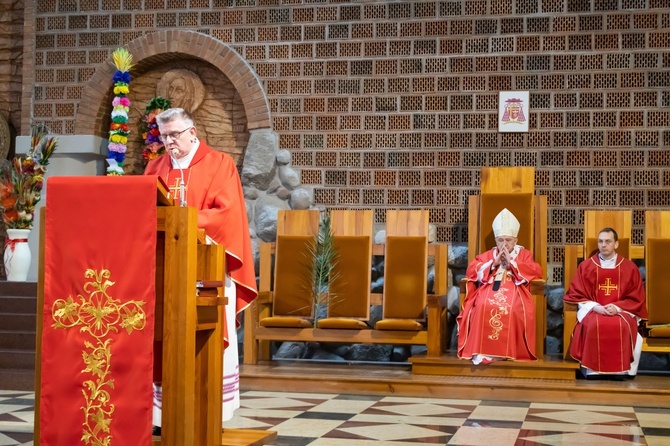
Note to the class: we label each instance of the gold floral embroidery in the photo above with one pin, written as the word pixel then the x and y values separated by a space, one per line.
pixel 98 313
pixel 501 308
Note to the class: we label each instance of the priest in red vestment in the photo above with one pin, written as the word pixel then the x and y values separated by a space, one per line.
pixel 497 321
pixel 212 185
pixel 609 291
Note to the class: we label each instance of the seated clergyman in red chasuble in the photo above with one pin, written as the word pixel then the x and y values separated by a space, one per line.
pixel 610 294
pixel 497 321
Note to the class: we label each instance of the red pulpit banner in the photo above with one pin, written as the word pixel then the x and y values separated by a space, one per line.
pixel 99 296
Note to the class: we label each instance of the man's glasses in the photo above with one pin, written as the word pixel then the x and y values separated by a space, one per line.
pixel 174 135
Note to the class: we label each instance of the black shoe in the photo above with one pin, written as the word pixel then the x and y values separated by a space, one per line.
pixel 156 431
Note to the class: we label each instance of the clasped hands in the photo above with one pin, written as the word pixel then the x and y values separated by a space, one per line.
pixel 606 310
pixel 502 258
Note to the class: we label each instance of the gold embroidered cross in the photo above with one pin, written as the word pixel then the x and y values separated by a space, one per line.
pixel 98 313
pixel 175 189
pixel 608 286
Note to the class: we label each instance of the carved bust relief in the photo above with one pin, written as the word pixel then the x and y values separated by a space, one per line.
pixel 183 88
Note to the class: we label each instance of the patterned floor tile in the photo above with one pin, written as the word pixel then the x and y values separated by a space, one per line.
pixel 576 438
pixel 342 406
pixel 491 413
pixel 305 427
pixel 478 436
pixel 313 419
pixel 581 416
pixel 659 420
pixel 391 432
pixel 657 441
pixel 587 428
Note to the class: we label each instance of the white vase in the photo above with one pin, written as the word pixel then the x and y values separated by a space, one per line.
pixel 17 255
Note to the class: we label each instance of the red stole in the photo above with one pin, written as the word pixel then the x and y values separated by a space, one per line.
pixel 98 314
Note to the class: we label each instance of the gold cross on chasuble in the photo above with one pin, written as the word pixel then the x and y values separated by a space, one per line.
pixel 608 286
pixel 174 190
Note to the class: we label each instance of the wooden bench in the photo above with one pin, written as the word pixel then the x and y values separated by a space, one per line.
pixel 263 324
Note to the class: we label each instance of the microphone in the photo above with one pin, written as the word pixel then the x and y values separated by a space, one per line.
pixel 182 188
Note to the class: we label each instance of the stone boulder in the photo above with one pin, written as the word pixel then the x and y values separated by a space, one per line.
pixel 458 255
pixel 260 159
pixel 266 210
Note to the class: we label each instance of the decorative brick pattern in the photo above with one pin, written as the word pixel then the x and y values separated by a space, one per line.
pixel 394 104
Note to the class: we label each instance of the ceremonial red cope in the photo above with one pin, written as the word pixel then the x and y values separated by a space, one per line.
pixel 99 294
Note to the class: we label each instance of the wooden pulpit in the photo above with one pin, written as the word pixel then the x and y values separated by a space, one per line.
pixel 190 327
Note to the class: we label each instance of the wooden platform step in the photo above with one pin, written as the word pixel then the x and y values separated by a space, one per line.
pixel 551 367
pixel 398 380
pixel 18 308
pixel 239 437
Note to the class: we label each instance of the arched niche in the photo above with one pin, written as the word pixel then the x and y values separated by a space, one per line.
pixel 234 104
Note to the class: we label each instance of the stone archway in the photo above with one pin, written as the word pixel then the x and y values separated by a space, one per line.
pixel 169 45
pixel 269 181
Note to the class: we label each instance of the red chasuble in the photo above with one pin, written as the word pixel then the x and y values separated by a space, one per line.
pixel 213 187
pixel 98 314
pixel 500 323
pixel 605 343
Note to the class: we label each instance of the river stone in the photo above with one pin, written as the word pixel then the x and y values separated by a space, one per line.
pixel 289 178
pixel 301 199
pixel 283 157
pixel 370 352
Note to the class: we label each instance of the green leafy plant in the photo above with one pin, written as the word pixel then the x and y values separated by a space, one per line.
pixel 323 259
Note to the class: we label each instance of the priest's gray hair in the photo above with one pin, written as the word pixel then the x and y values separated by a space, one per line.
pixel 173 114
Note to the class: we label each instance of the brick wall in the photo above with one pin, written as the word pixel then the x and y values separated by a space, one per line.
pixel 11 57
pixel 387 104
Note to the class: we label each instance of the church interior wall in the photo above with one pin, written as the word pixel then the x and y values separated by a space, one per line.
pixel 390 104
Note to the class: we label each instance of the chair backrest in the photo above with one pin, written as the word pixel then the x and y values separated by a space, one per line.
pixel 657 258
pixel 620 221
pixel 350 281
pixel 296 238
pixel 512 188
pixel 594 222
pixel 405 264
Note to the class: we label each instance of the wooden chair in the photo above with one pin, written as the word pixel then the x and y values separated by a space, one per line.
pixel 512 188
pixel 292 303
pixel 405 271
pixel 594 221
pixel 350 280
pixel 657 284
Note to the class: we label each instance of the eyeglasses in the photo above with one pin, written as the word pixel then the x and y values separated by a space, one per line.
pixel 174 135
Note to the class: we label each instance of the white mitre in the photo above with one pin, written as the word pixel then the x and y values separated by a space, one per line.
pixel 505 224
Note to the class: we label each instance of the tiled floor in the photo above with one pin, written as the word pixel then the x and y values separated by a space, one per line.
pixel 351 420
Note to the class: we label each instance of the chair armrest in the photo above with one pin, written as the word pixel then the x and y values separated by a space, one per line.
pixel 265 267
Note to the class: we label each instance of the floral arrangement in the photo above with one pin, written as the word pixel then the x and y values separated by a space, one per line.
pixel 22 179
pixel 118 129
pixel 153 146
